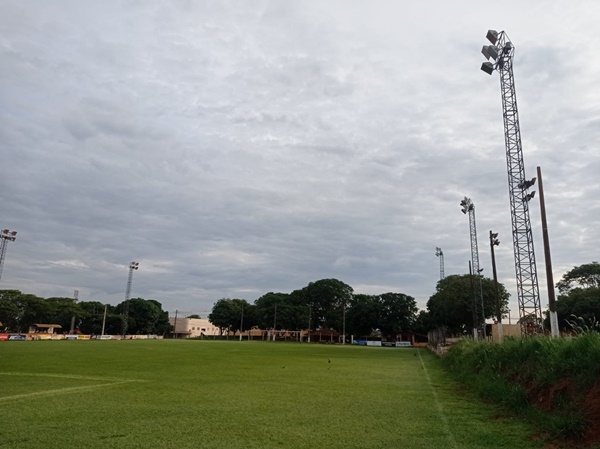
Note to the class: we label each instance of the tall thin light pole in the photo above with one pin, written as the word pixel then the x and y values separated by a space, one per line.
pixel 175 324
pixel 469 208
pixel 132 267
pixel 75 298
pixel 104 319
pixel 344 323
pixel 242 322
pixel 554 330
pixel 495 242
pixel 502 53
pixel 6 236
pixel 473 302
pixel 439 253
pixel 309 317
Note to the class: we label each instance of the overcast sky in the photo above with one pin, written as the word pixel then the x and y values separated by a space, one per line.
pixel 235 148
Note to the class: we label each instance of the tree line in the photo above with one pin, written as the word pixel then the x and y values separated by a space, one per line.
pixel 18 311
pixel 327 303
pixel 323 304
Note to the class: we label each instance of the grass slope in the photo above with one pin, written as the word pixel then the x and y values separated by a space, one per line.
pixel 201 394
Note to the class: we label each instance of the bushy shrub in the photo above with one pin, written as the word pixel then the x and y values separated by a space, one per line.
pixel 541 378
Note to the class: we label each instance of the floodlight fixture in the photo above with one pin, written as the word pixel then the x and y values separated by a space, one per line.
pixel 492 50
pixel 9 235
pixel 494 239
pixel 492 36
pixel 484 52
pixel 487 67
pixel 529 196
pixel 134 265
pixel 526 184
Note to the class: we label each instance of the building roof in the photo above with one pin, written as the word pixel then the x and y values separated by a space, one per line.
pixel 58 326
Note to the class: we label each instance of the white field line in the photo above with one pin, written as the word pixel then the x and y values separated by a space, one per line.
pixel 438 404
pixel 60 391
pixel 67 376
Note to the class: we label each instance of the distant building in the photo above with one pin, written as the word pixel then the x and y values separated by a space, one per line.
pixel 192 327
pixel 43 331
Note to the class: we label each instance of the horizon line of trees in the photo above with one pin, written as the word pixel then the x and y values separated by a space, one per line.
pixel 323 304
pixel 327 303
pixel 18 311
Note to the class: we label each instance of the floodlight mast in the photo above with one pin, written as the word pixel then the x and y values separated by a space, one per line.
pixel 479 321
pixel 132 266
pixel 6 236
pixel 502 52
pixel 439 253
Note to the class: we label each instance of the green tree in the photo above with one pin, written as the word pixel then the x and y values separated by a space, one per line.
pixel 581 302
pixel 451 305
pixel 362 317
pixel 282 310
pixel 145 316
pixel 60 311
pixel 9 309
pixel 194 316
pixel 327 299
pixel 26 310
pixel 423 323
pixel 227 314
pixel 397 313
pixel 91 323
pixel 582 276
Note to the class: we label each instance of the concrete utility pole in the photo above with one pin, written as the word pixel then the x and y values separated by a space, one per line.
pixel 554 330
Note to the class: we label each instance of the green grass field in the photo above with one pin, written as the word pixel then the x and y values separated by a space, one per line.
pixel 202 394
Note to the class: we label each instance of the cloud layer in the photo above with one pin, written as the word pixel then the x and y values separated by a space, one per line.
pixel 236 148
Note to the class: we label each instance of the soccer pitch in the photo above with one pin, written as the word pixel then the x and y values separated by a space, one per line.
pixel 229 395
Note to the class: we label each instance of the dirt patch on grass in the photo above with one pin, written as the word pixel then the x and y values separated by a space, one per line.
pixel 547 399
pixel 591 409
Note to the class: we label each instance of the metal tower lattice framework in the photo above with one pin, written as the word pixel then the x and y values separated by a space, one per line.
pixel 439 253
pixel 132 266
pixel 6 236
pixel 502 53
pixel 478 319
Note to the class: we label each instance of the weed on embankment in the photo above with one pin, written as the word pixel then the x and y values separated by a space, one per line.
pixel 554 383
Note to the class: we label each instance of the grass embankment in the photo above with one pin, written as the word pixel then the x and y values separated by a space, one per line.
pixel 229 395
pixel 553 383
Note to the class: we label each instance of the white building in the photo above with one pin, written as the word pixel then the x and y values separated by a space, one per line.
pixel 192 327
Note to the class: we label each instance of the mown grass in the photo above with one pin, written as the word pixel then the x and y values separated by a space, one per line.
pixel 544 380
pixel 200 394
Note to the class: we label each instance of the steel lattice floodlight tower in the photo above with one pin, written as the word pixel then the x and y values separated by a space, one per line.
pixel 502 52
pixel 6 236
pixel 439 253
pixel 132 266
pixel 478 320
